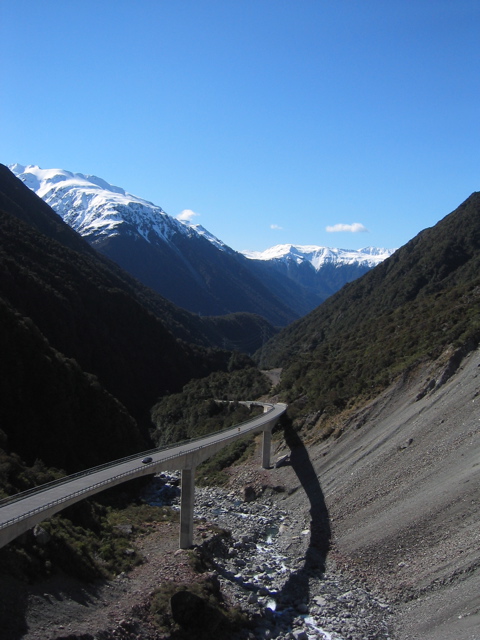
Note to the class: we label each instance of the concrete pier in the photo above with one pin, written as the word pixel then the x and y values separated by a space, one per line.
pixel 266 446
pixel 187 501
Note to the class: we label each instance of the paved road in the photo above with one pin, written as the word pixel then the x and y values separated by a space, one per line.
pixel 22 512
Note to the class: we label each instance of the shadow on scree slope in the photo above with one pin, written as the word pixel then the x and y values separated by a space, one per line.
pixel 296 587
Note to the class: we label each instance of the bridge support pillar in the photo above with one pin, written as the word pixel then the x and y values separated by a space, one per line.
pixel 266 445
pixel 187 500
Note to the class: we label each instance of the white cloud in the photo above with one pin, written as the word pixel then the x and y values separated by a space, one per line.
pixel 187 215
pixel 275 226
pixel 356 227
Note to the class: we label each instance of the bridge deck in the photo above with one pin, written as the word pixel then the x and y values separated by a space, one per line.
pixel 23 511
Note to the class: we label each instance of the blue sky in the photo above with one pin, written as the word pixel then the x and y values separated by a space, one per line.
pixel 271 120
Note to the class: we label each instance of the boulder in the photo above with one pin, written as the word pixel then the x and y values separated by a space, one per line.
pixel 283 460
pixel 42 537
pixel 194 612
pixel 299 634
pixel 249 494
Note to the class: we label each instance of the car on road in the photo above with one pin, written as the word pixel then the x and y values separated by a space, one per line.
pixel 147 460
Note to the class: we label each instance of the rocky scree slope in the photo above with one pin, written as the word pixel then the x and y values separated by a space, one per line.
pixel 401 483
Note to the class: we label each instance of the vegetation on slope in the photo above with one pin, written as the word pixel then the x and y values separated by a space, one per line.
pixel 89 540
pixel 16 476
pixel 86 314
pixel 194 412
pixel 52 410
pixel 414 305
pixel 74 312
pixel 245 332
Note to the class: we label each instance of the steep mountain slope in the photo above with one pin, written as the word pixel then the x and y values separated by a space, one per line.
pixel 52 410
pixel 82 307
pixel 382 383
pixel 401 483
pixel 423 298
pixel 187 264
pixel 240 330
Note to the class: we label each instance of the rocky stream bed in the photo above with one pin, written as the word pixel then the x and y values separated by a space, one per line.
pixel 268 568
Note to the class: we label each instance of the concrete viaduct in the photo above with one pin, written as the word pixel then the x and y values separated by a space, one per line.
pixel 21 512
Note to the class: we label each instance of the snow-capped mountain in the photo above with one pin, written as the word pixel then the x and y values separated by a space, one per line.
pixel 318 257
pixel 97 209
pixel 318 271
pixel 186 263
pixel 183 262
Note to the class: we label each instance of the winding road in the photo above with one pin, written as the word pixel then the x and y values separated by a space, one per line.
pixel 21 512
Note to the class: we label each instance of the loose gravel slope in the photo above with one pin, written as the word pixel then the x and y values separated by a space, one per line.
pixel 402 488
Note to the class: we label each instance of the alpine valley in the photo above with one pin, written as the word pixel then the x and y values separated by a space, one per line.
pixel 366 527
pixel 188 265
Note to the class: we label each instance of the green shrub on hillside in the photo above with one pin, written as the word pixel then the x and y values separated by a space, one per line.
pixel 212 471
pixel 87 541
pixel 16 476
pixel 195 412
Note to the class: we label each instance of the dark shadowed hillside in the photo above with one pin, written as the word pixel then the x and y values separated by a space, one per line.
pixel 68 311
pixel 85 314
pixel 424 297
pixel 194 275
pixel 52 410
pixel 22 203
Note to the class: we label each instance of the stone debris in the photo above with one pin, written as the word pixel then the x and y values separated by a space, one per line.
pixel 283 460
pixel 261 563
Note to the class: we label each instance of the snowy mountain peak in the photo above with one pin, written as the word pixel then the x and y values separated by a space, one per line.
pixel 320 256
pixel 45 179
pixel 95 208
pixel 100 211
pixel 188 265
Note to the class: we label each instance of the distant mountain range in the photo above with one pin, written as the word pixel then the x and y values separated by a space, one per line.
pixel 318 257
pixel 187 264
